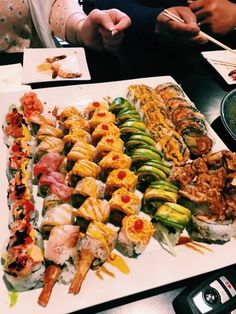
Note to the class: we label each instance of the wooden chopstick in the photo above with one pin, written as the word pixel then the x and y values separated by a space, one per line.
pixel 230 64
pixel 176 18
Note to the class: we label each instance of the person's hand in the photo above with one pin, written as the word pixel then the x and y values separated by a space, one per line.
pixel 187 32
pixel 103 29
pixel 218 15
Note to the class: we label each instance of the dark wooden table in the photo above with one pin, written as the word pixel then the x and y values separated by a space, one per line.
pixel 203 86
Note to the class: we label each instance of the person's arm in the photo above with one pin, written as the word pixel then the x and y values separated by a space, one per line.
pixel 218 15
pixel 97 30
pixel 143 18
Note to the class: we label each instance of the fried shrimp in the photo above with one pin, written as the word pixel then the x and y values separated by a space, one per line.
pixel 57 71
pixel 55 58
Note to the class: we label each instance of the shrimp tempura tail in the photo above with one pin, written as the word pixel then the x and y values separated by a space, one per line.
pixel 50 278
pixel 86 259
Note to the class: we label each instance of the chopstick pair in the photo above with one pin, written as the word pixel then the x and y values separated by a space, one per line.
pixel 176 18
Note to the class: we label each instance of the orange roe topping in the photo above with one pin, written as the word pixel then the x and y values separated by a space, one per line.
pixel 125 198
pixel 109 140
pixel 115 157
pixel 105 127
pixel 121 175
pixel 96 104
pixel 138 225
pixel 101 114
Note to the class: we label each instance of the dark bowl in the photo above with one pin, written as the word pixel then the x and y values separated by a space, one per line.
pixel 228 113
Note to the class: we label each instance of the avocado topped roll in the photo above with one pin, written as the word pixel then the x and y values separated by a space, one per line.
pixel 121 178
pixel 134 235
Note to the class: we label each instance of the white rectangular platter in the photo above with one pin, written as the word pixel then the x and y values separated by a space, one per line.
pixel 217 58
pixel 154 268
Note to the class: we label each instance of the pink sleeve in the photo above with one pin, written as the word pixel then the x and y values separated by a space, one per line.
pixel 60 13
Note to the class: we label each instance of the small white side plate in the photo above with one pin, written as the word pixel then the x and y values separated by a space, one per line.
pixel 218 59
pixel 35 70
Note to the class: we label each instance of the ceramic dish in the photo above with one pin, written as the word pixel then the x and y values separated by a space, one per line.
pixel 154 268
pixel 223 62
pixel 228 113
pixel 36 67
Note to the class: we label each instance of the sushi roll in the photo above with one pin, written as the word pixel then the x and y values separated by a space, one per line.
pixel 123 203
pixel 56 215
pixel 134 235
pixel 50 162
pixel 210 229
pixel 109 143
pixel 75 134
pixel 101 116
pixel 81 169
pixel 93 106
pixel 169 90
pixel 60 251
pixel 37 120
pixel 92 209
pixel 46 180
pixel 74 121
pixel 87 187
pixel 175 103
pixel 80 150
pixel 104 129
pixel 121 178
pixel 48 130
pixel 23 260
pixel 49 144
pixel 69 112
pixel 31 104
pixel 94 249
pixel 115 160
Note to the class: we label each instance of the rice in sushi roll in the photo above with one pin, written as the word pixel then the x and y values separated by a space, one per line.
pixel 134 235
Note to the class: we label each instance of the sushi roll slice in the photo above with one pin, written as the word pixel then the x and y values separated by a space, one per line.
pixel 115 160
pixel 134 235
pixel 104 129
pixel 169 90
pixel 109 143
pixel 23 260
pixel 121 178
pixel 49 144
pixel 175 103
pixel 56 215
pixel 75 134
pixel 80 150
pixel 83 168
pixel 94 250
pixel 37 120
pixel 101 116
pixel 50 162
pixel 14 126
pixel 69 112
pixel 46 180
pixel 93 106
pixel 48 130
pixel 123 203
pixel 210 229
pixel 92 209
pixel 60 249
pixel 74 121
pixel 31 104
pixel 87 187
